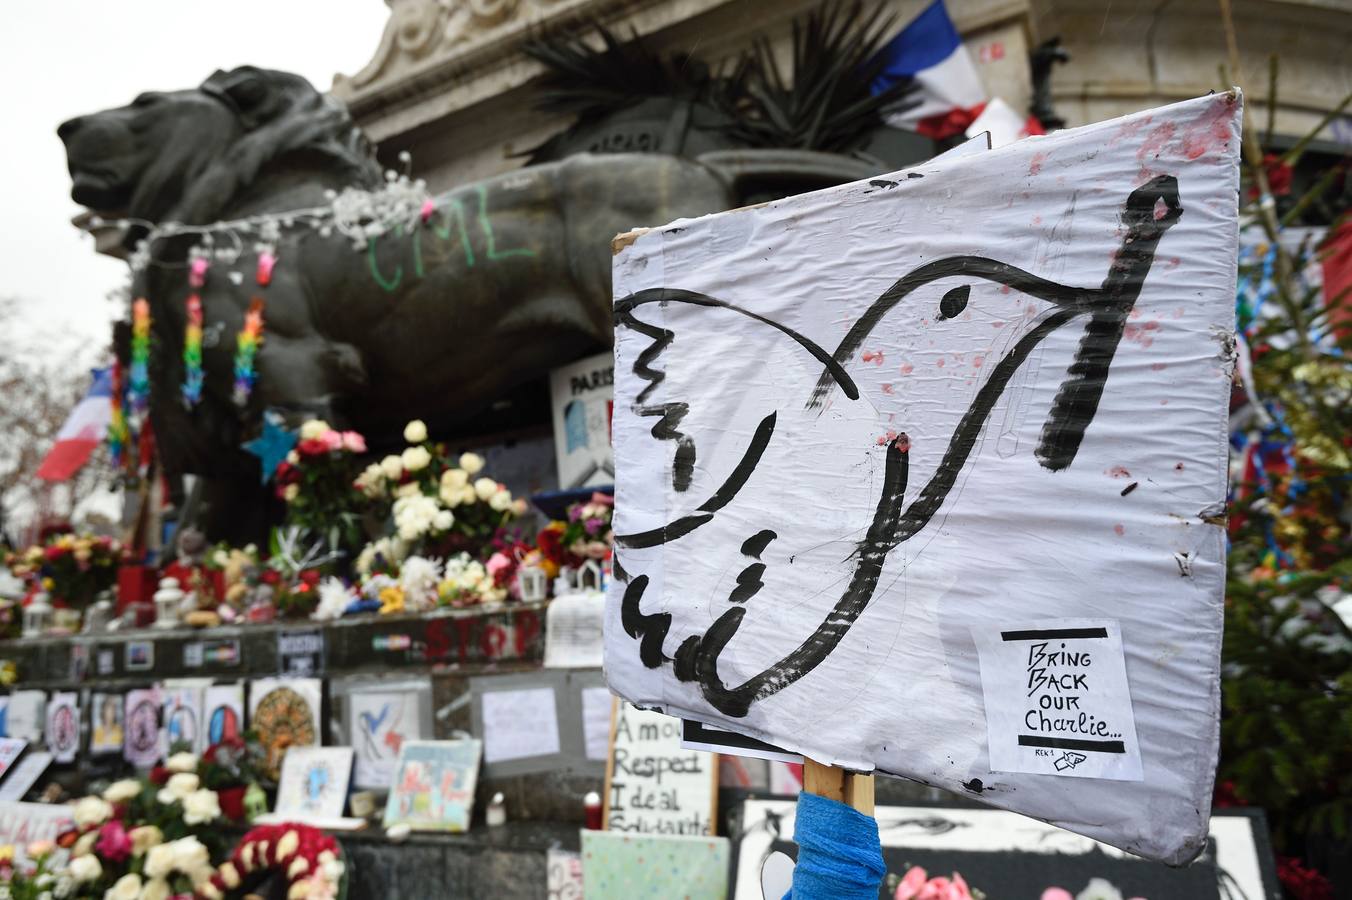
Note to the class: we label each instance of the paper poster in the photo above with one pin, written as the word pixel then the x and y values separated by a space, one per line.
pixel 563 874
pixel 26 715
pixel 434 782
pixel 519 723
pixel 314 783
pixel 10 748
pixel 1057 700
pixel 379 722
pixel 899 412
pixel 223 712
pixel 596 705
pixel 653 785
pixel 182 716
pixel 141 728
pixel 107 712
pixel 285 713
pixel 22 824
pixel 573 631
pixel 24 774
pixel 582 395
pixel 63 726
pixel 622 866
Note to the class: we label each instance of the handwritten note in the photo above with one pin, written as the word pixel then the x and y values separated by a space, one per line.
pixel 519 724
pixel 1057 700
pixel 596 703
pixel 573 631
pixel 652 785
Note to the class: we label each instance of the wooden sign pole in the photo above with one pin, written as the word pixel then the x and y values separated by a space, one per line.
pixel 854 789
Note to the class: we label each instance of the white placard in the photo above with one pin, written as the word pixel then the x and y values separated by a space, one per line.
pixel 26 714
pixel 24 774
pixel 182 717
pixel 596 703
pixel 653 785
pixel 63 726
pixel 853 426
pixel 379 722
pixel 22 824
pixel 313 786
pixel 222 713
pixel 1057 699
pixel 519 724
pixel 582 395
pixel 573 636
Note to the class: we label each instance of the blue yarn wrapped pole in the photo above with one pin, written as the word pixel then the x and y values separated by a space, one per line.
pixel 839 854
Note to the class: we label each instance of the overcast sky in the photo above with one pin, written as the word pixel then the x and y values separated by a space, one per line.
pixel 61 58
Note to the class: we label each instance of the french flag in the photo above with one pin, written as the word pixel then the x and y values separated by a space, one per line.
pixel 930 51
pixel 83 431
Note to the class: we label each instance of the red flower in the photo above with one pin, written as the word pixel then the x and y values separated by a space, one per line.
pixel 271 576
pixel 159 775
pixel 1302 883
pixel 312 447
pixel 67 839
pixel 310 577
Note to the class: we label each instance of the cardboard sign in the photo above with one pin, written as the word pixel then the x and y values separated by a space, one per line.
pixel 653 786
pixel 861 430
pixel 620 866
pixel 582 396
pixel 434 782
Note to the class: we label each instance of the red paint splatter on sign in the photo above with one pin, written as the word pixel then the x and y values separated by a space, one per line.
pixel 873 356
pixel 1119 472
pixel 1119 530
pixel 887 388
pixel 1035 164
pixel 907 368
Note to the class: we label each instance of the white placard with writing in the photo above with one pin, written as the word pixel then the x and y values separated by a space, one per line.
pixel 573 637
pixel 581 395
pixel 653 786
pixel 1057 699
pixel 519 724
pixel 596 703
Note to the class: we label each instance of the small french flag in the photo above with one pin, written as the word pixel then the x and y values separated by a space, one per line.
pixel 83 431
pixel 930 51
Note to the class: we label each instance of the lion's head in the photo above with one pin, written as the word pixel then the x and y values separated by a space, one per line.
pixel 184 155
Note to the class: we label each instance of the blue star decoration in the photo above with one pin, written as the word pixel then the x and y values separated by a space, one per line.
pixel 272 446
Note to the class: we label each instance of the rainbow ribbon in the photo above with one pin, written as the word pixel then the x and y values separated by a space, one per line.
pixel 246 349
pixel 138 386
pixel 192 352
pixel 117 419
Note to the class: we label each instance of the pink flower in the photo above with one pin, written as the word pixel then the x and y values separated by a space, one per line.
pixel 352 440
pixel 332 440
pixel 498 562
pixel 911 883
pixel 114 844
pixel 1056 893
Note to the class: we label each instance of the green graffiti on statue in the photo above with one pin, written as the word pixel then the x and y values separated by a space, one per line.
pixel 449 219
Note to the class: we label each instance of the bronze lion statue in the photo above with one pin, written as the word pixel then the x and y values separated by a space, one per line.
pixel 509 278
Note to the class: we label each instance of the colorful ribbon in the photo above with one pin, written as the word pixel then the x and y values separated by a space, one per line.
pixel 246 349
pixel 138 387
pixel 117 419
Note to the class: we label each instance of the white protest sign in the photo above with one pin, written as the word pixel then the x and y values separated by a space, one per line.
pixel 856 428
pixel 653 785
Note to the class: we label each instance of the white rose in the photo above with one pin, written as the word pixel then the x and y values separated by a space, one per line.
pixel 472 463
pixel 122 791
pixel 178 787
pixel 416 459
pixel 456 478
pixel 392 466
pixel 449 495
pixel 313 429
pixel 412 489
pixel 145 837
pixel 85 868
pixel 84 845
pixel 468 494
pixel 201 807
pixel 181 762
pixel 290 492
pixel 293 457
pixel 485 488
pixel 287 845
pixel 443 520
pixel 160 861
pixel 128 887
pixel 155 889
pixel 90 811
pixel 501 501
pixel 415 432
pixel 190 854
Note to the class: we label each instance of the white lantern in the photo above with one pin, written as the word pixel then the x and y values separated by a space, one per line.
pixel 589 576
pixel 168 599
pixel 532 583
pixel 37 616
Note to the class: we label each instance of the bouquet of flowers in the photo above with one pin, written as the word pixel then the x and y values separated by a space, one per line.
pixel 316 483
pixel 32 882
pixel 148 838
pixel 309 860
pixel 917 885
pixel 74 570
pixel 229 766
pixel 587 533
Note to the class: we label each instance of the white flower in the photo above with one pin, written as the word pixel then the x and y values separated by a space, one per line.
pixel 85 868
pixel 334 599
pixel 450 495
pixel 290 492
pixel 128 887
pixel 392 466
pixel 419 577
pixel 313 429
pixel 415 432
pixel 122 791
pixel 371 481
pixel 286 845
pixel 145 837
pixel 91 811
pixel 456 478
pixel 178 787
pixel 200 807
pixel 413 516
pixel 1099 889
pixel 84 844
pixel 159 861
pixel 412 489
pixel 416 459
pixel 485 488
pixel 472 463
pixel 468 494
pixel 229 875
pixel 155 889
pixel 190 855
pixel 443 520
pixel 501 501
pixel 181 762
pixel 293 457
